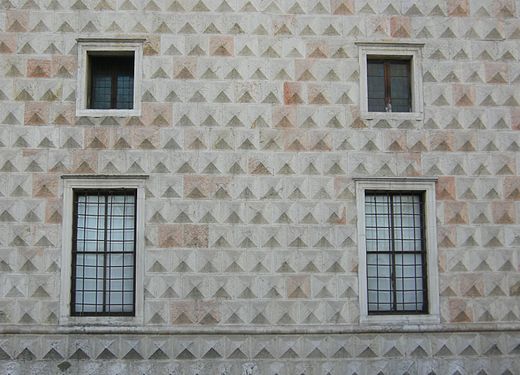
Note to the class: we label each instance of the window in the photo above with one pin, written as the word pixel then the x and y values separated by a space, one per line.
pixel 111 81
pixel 109 77
pixel 389 87
pixel 103 250
pixel 398 276
pixel 396 262
pixel 390 80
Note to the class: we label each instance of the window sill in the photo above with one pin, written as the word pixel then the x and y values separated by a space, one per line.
pixel 400 319
pixel 417 116
pixel 112 321
pixel 108 112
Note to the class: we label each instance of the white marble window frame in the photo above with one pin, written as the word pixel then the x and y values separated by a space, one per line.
pixel 108 46
pixel 426 185
pixel 70 183
pixel 399 51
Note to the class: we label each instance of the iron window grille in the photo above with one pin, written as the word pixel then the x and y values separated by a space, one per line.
pixel 103 252
pixel 396 253
pixel 389 85
pixel 111 81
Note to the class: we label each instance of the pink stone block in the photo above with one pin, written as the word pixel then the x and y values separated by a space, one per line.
pixel 7 43
pixel 221 46
pixel 458 8
pixel 456 213
pixel 445 188
pixel 196 236
pixel 503 213
pixel 171 236
pixel 157 114
pixel 292 93
pixel 36 113
pixel 38 68
pixel 400 27
pixel 464 95
pixel 45 185
pixel 85 161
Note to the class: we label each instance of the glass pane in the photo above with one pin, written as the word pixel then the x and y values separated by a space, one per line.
pixel 112 82
pixel 103 279
pixel 400 87
pixel 376 86
pixel 125 92
pixel 101 91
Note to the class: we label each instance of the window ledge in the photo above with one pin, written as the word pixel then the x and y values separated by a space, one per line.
pixel 389 44
pixel 400 319
pixel 101 321
pixel 108 112
pixel 417 116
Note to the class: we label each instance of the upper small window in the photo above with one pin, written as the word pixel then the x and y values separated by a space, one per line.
pixel 109 77
pixel 111 81
pixel 389 85
pixel 390 80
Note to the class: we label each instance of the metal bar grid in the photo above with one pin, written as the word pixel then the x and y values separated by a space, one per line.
pixel 396 252
pixel 103 252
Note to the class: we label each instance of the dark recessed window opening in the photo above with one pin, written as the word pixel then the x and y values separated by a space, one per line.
pixel 103 252
pixel 389 85
pixel 111 84
pixel 396 253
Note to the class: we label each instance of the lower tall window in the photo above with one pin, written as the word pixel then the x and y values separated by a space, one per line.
pixel 103 252
pixel 395 252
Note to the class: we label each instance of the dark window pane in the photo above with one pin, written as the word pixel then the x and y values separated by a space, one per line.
pixel 375 69
pixel 400 69
pixel 111 81
pixel 376 86
pixel 125 92
pixel 389 86
pixel 103 252
pixel 101 91
pixel 400 87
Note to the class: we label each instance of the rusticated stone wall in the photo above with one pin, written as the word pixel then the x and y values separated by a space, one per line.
pixel 251 133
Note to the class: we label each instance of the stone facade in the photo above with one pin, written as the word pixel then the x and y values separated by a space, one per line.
pixel 251 134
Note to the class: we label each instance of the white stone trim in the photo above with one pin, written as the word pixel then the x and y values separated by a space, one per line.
pixel 108 46
pixel 426 185
pixel 391 49
pixel 101 182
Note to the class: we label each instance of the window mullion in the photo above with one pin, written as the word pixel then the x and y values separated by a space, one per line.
pixel 388 87
pixel 422 218
pixel 74 252
pixel 113 94
pixel 392 251
pixel 410 84
pixel 105 257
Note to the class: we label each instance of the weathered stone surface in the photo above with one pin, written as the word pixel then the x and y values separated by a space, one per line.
pixel 251 133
